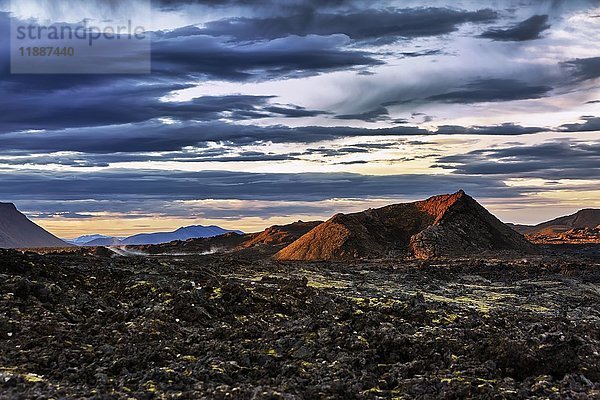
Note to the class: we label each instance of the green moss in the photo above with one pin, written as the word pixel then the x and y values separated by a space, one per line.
pixel 272 353
pixel 141 284
pixel 373 390
pixel 360 301
pixel 217 368
pixel 536 308
pixel 217 294
pixel 327 284
pixel 447 319
pixel 33 378
pixel 150 387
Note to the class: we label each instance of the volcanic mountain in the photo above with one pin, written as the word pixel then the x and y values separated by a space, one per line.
pixel 17 231
pixel 446 225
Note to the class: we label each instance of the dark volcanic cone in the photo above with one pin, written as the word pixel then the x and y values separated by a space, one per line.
pixel 446 225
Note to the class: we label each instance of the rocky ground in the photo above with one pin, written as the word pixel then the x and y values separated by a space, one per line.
pixel 92 326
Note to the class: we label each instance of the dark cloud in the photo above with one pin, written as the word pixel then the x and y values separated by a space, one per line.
pixel 223 155
pixel 64 101
pixel 292 111
pixel 503 129
pixel 185 54
pixel 358 25
pixel 554 160
pixel 332 152
pixel 530 29
pixel 590 124
pixel 155 136
pixel 67 101
pixel 132 102
pixel 134 185
pixel 493 90
pixel 377 114
pixel 291 56
pixel 584 68
pixel 187 141
pixel 129 102
pixel 263 5
pixel 423 53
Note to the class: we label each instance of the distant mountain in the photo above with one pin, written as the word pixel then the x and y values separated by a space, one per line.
pixel 446 225
pixel 105 241
pixel 267 242
pixel 82 240
pixel 189 232
pixel 17 231
pixel 185 233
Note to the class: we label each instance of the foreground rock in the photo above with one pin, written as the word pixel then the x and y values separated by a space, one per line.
pixel 447 225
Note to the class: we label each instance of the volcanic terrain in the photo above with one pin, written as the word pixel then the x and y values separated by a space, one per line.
pixel 425 300
pixel 446 225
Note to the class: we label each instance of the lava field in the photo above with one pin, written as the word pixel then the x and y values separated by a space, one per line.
pixel 226 327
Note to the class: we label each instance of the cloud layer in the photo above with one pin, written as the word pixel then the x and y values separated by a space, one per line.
pixel 385 100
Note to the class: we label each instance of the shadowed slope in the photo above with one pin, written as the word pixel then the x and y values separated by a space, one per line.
pixel 17 231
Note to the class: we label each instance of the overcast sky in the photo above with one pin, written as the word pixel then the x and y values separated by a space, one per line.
pixel 261 112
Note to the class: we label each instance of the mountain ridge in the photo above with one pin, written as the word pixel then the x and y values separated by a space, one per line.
pixel 182 233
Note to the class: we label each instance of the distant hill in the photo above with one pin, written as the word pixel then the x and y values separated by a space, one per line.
pixel 445 225
pixel 182 234
pixel 586 218
pixel 17 231
pixel 104 241
pixel 267 242
pixel 581 227
pixel 82 240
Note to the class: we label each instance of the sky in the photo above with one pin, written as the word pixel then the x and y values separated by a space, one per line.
pixel 264 112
